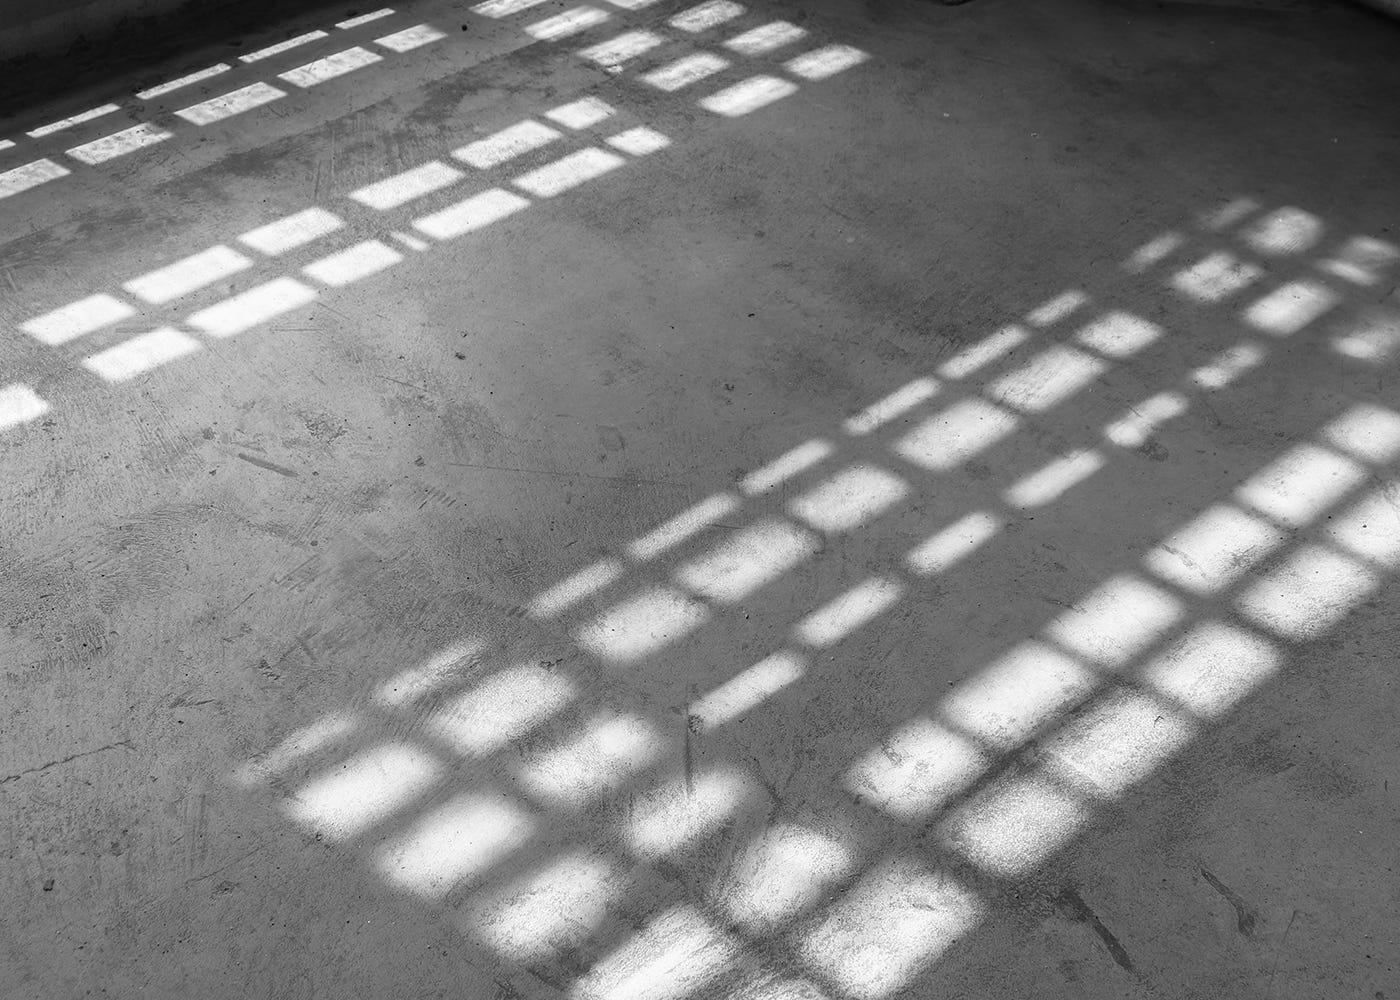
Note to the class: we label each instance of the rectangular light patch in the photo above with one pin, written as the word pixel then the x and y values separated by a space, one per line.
pixel 896 404
pixel 747 560
pixel 1216 277
pixel 977 356
pixel 453 843
pixel 140 354
pixel 639 141
pixel 706 15
pixel 30 175
pixel 896 921
pixel 1366 432
pixel 330 67
pixel 1301 484
pixel 783 870
pixel 280 47
pixel 1213 668
pixel 85 116
pixel 568 592
pixel 673 817
pixel 20 404
pixel 1134 428
pixel 1009 699
pixel 785 467
pixel 502 708
pixel 364 790
pixel 612 748
pixel 184 81
pixel 568 23
pixel 185 276
pixel 685 71
pixel 119 144
pixel 1228 365
pixel 642 624
pixel 355 22
pixel 504 8
pixel 76 319
pixel 1119 335
pixel 405 187
pixel 850 498
pixel 616 51
pixel 916 770
pixel 1014 826
pixel 946 440
pixel 253 307
pixel 1047 379
pixel 1362 260
pixel 748 95
pixel 1120 741
pixel 1114 622
pixel 847 612
pixel 291 232
pixel 1053 480
pixel 1153 252
pixel 505 145
pixel 353 263
pixel 674 956
pixel 297 746
pixel 1289 308
pixel 582 113
pixel 1305 596
pixel 743 693
pixel 682 527
pixel 233 103
pixel 410 38
pixel 568 172
pixel 1058 308
pixel 551 908
pixel 432 675
pixel 1370 528
pixel 944 549
pixel 819 64
pixel 471 214
pixel 1213 550
pixel 765 38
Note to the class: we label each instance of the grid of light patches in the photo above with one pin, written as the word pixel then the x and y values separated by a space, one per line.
pixel 222 106
pixel 175 335
pixel 543 806
pixel 712 40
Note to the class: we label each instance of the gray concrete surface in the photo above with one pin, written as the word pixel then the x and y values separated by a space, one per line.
pixel 343 656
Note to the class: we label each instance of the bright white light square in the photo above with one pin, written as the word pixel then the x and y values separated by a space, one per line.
pixel 500 709
pixel 852 497
pixel 455 842
pixel 946 440
pixel 747 560
pixel 890 926
pixel 916 769
pixel 641 625
pixel 1006 701
pixel 1115 621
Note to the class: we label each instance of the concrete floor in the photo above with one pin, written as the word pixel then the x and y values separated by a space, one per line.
pixel 343 656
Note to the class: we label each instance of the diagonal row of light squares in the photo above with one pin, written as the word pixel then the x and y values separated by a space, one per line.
pixel 214 109
pixel 258 305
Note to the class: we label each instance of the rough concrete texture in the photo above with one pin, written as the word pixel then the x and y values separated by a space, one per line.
pixel 918 519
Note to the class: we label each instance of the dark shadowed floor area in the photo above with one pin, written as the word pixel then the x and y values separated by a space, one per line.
pixel 647 500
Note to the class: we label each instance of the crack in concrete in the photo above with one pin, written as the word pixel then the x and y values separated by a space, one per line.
pixel 65 760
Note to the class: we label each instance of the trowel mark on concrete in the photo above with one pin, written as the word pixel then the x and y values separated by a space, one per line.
pixel 1074 906
pixel 281 470
pixel 1245 916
